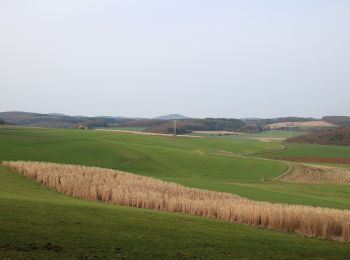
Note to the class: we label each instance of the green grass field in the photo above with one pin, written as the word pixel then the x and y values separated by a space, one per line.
pixel 126 128
pixel 35 215
pixel 274 134
pixel 214 163
pixel 148 155
pixel 43 224
pixel 312 150
pixel 313 153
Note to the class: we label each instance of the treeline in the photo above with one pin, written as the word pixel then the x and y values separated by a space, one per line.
pixel 141 122
pixel 337 120
pixel 288 119
pixel 329 136
pixel 185 126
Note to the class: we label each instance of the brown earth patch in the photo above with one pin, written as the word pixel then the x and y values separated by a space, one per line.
pixel 344 160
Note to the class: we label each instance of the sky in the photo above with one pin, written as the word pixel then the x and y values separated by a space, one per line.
pixel 199 58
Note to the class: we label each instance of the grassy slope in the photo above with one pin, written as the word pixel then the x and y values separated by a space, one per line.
pixel 148 155
pixel 274 134
pixel 31 216
pixel 138 129
pixel 314 150
pixel 192 162
pixel 331 196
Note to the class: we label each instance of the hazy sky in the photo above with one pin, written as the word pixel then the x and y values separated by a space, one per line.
pixel 198 58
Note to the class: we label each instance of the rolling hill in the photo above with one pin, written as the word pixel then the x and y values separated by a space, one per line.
pixel 172 117
pixel 41 223
pixel 56 120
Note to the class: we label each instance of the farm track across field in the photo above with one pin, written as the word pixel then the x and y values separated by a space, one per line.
pixel 148 133
pixel 279 149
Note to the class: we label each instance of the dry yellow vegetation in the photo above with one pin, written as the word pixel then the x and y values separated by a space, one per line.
pixel 301 173
pixel 299 124
pixel 128 189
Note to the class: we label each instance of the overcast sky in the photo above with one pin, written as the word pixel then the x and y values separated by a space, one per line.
pixel 198 58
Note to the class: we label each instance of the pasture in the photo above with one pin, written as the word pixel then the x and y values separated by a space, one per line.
pixel 43 224
pixel 217 164
pixel 157 156
pixel 314 153
pixel 273 134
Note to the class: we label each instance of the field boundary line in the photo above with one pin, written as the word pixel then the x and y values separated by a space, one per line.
pixel 148 133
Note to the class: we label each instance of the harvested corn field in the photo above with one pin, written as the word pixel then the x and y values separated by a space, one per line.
pixel 117 187
pixel 315 123
pixel 301 173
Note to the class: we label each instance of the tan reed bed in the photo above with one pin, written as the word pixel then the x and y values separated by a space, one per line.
pixel 128 189
pixel 302 173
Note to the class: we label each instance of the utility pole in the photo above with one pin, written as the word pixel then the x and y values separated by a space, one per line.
pixel 174 128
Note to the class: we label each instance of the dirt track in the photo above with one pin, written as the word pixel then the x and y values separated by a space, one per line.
pixel 216 132
pixel 147 133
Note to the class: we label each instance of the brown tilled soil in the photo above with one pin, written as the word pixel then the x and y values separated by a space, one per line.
pixel 344 160
pixel 299 124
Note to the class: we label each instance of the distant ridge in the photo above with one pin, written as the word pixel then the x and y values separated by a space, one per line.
pixel 172 117
pixel 56 120
pixel 56 114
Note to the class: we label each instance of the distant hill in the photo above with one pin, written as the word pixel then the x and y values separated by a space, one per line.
pixel 55 120
pixel 330 136
pixel 56 114
pixel 172 117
